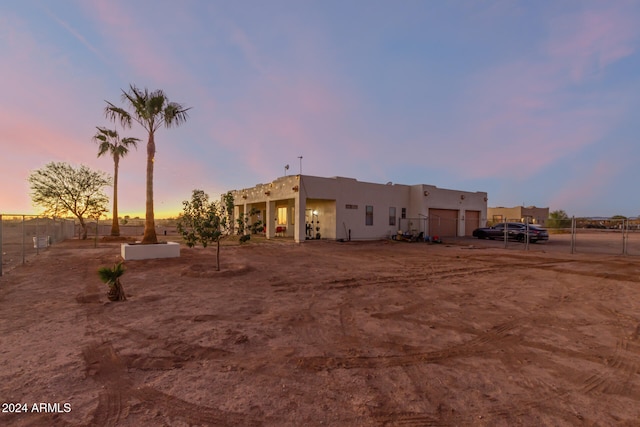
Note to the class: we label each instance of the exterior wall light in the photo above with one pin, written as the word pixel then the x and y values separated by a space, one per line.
pixel 462 197
pixel 267 193
pixel 296 188
pixel 426 193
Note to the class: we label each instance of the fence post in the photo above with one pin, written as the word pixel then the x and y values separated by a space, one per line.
pixel 625 236
pixel 37 245
pixel 23 239
pixel 506 231
pixel 573 234
pixel 0 244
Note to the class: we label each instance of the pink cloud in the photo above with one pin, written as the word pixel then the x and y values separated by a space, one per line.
pixel 522 116
pixel 248 49
pixel 141 45
pixel 285 119
pixel 591 41
pixel 587 186
pixel 78 36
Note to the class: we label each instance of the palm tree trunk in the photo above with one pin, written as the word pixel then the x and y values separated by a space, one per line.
pixel 121 295
pixel 115 227
pixel 149 223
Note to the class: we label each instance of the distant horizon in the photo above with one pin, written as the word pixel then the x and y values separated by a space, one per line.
pixel 168 216
pixel 174 213
pixel 534 103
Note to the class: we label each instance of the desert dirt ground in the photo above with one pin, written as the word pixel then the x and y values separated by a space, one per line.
pixel 323 333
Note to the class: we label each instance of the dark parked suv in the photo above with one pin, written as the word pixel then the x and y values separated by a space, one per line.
pixel 515 231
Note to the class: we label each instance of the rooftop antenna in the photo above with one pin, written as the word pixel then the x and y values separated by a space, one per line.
pixel 286 168
pixel 300 157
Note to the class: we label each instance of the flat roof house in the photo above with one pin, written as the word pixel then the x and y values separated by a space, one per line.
pixel 309 207
pixel 530 214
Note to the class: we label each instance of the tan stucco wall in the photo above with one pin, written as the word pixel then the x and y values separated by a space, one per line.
pixel 519 213
pixel 341 204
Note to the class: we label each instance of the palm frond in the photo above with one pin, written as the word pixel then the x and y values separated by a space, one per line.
pixel 175 114
pixel 103 148
pixel 109 141
pixel 117 114
pixel 111 274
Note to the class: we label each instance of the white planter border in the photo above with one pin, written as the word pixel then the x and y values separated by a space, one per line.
pixel 153 251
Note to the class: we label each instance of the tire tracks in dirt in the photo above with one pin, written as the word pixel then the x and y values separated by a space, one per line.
pixel 614 377
pixel 481 344
pixel 119 391
pixel 120 394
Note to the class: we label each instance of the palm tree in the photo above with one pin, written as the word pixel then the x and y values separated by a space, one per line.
pixel 151 110
pixel 109 142
pixel 111 276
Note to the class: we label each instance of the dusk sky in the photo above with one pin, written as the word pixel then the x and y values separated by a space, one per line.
pixel 533 102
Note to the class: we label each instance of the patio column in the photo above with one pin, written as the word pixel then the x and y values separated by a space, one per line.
pixel 270 219
pixel 299 234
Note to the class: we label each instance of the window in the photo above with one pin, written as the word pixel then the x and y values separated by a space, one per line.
pixel 368 216
pixel 282 216
pixel 392 216
pixel 404 213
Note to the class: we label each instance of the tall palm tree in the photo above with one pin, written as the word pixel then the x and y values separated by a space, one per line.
pixel 109 142
pixel 151 110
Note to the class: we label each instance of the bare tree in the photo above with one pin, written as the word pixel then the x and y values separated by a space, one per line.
pixel 63 190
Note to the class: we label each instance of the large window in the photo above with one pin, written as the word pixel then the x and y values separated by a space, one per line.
pixel 392 216
pixel 282 216
pixel 368 216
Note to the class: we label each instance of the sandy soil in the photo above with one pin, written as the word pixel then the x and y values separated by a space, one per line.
pixel 323 333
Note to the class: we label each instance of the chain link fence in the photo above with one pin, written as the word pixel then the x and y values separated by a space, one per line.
pixel 602 235
pixel 132 228
pixel 24 236
pixel 595 235
pixel 615 236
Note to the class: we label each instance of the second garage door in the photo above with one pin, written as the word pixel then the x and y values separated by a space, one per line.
pixel 471 222
pixel 443 222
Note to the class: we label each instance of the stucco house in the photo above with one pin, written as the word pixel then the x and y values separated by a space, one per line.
pixel 309 207
pixel 530 214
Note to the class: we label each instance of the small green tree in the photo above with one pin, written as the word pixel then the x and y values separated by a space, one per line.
pixel 243 223
pixel 204 222
pixel 558 219
pixel 62 190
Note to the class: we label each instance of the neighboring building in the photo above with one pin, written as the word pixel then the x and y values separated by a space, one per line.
pixel 308 207
pixel 530 214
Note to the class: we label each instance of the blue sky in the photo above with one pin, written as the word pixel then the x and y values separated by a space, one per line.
pixel 535 103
